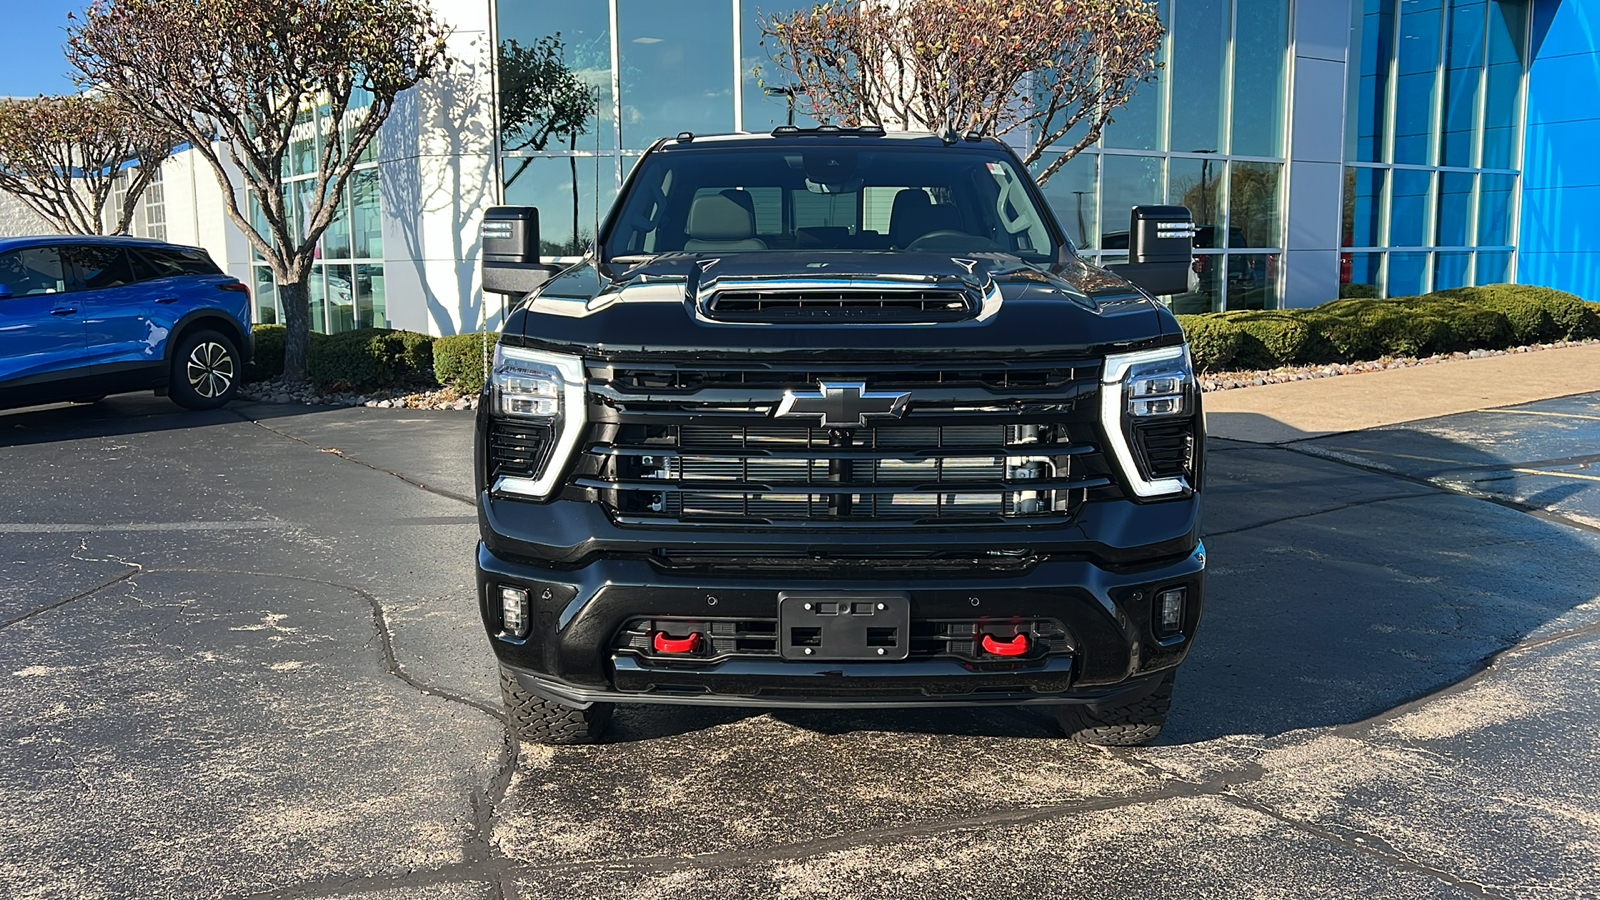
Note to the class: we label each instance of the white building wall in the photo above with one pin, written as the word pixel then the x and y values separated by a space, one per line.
pixel 17 219
pixel 437 174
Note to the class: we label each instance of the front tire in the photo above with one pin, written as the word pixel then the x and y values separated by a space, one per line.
pixel 1132 725
pixel 540 721
pixel 205 371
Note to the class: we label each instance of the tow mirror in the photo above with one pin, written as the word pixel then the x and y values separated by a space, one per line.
pixel 509 240
pixel 1160 249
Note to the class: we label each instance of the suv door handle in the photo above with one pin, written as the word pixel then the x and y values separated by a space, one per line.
pixel 166 299
pixel 63 311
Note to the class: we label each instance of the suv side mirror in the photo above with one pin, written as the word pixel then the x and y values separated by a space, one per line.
pixel 1160 249
pixel 509 238
pixel 5 292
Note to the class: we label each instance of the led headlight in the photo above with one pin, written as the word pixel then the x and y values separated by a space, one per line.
pixel 547 388
pixel 1150 385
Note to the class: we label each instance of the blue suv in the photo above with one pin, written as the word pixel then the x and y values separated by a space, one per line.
pixel 82 317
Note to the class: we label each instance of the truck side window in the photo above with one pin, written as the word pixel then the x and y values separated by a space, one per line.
pixel 32 270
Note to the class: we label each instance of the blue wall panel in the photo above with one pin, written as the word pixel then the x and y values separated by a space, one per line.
pixel 1559 245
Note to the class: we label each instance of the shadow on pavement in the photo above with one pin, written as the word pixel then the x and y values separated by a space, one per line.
pixel 128 414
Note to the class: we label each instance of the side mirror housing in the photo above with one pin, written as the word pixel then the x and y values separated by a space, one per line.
pixel 5 292
pixel 1160 249
pixel 509 241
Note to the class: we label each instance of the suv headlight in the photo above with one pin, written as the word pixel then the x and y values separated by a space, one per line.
pixel 539 389
pixel 1142 391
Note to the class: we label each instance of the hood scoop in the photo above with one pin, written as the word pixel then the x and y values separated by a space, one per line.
pixel 928 290
pixel 833 302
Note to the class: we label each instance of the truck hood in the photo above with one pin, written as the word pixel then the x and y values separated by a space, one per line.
pixel 656 306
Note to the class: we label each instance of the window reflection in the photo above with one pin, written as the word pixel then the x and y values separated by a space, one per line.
pixel 1207 288
pixel 1493 268
pixel 577 37
pixel 1417 67
pixel 1372 35
pixel 1253 280
pixel 1503 84
pixel 1363 206
pixel 1136 125
pixel 1253 201
pixel 765 111
pixel 677 68
pixel 1450 270
pixel 1408 208
pixel 1071 195
pixel 1408 274
pixel 1494 210
pixel 564 191
pixel 266 297
pixel 1261 38
pixel 1126 182
pixel 1455 209
pixel 1198 84
pixel 1463 71
pixel 1361 268
pixel 366 214
pixel 1198 184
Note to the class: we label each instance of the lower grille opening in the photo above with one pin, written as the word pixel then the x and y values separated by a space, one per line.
pixel 757 638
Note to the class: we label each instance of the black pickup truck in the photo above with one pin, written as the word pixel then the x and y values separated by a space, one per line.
pixel 838 418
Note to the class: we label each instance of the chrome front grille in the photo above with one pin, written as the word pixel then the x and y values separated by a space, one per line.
pixel 696 446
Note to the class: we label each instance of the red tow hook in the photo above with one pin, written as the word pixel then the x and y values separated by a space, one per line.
pixel 1014 647
pixel 667 644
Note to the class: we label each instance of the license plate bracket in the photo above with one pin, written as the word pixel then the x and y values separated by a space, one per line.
pixel 840 625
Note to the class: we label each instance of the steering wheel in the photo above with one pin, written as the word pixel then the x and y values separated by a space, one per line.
pixel 962 241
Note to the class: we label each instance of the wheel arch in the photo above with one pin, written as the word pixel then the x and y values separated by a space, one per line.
pixel 216 320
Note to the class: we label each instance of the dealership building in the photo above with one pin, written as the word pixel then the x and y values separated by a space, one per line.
pixel 1412 145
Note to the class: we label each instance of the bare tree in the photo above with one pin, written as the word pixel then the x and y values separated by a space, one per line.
pixel 62 156
pixel 1057 68
pixel 234 77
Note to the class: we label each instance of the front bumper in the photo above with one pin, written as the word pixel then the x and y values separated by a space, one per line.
pixel 576 615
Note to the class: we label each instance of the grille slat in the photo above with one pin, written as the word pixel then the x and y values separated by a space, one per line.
pixel 677 444
pixel 516 450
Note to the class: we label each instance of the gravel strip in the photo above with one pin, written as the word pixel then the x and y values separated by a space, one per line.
pixel 1227 381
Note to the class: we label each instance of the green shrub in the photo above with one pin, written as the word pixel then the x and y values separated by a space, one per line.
pixel 267 361
pixel 1272 339
pixel 1530 319
pixel 1213 341
pixel 1571 317
pixel 1367 329
pixel 416 353
pixel 1473 326
pixel 1358 292
pixel 458 361
pixel 366 359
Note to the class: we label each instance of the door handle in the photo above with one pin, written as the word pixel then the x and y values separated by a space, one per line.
pixel 63 311
pixel 166 299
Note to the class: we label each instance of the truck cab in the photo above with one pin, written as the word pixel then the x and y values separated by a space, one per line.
pixel 838 418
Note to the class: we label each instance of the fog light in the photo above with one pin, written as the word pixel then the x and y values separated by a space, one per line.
pixel 1169 607
pixel 514 610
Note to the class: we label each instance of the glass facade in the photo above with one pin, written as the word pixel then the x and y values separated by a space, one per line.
pixel 347 286
pixel 1433 117
pixel 1432 150
pixel 1208 134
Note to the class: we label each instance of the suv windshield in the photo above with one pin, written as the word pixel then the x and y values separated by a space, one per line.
pixel 854 196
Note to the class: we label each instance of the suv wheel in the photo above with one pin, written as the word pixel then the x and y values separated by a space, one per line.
pixel 540 721
pixel 1123 726
pixel 205 371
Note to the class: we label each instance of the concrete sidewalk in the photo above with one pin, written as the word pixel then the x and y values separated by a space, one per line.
pixel 1297 410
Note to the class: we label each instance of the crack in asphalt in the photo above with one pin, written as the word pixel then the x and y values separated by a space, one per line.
pixel 73 599
pixel 1354 504
pixel 1367 845
pixel 449 495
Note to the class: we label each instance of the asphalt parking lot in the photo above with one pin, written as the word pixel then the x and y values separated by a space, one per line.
pixel 239 657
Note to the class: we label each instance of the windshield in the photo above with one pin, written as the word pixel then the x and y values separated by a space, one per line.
pixel 830 197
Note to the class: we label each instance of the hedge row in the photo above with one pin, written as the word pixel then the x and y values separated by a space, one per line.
pixel 1356 328
pixel 1492 317
pixel 371 358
